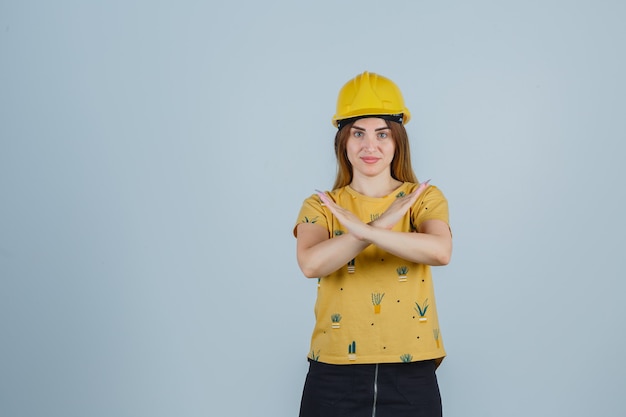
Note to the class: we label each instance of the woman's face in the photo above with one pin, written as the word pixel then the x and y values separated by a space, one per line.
pixel 370 147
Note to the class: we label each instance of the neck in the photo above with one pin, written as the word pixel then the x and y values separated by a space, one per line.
pixel 376 187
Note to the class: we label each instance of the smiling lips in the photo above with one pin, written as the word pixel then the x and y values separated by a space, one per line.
pixel 370 159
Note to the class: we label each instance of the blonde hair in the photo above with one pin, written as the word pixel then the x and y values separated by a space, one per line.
pixel 401 168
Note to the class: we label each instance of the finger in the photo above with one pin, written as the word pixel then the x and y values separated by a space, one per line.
pixel 322 195
pixel 421 187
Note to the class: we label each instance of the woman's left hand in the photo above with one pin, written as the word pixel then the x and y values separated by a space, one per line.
pixel 349 220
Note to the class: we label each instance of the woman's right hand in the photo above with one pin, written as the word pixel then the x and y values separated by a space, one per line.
pixel 398 208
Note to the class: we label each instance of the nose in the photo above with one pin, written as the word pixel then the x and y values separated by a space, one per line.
pixel 370 142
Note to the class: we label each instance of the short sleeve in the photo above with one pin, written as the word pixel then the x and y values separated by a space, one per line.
pixel 313 212
pixel 431 205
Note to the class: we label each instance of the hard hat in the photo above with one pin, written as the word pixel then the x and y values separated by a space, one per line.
pixel 370 94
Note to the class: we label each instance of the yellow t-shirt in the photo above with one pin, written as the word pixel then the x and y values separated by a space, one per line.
pixel 378 308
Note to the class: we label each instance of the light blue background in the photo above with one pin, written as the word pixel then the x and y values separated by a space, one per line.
pixel 154 156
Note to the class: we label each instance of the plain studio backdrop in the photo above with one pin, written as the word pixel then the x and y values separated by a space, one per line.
pixel 154 156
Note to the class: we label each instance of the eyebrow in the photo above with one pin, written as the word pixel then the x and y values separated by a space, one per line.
pixel 375 130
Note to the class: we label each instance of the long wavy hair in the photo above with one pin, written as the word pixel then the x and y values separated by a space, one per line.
pixel 401 168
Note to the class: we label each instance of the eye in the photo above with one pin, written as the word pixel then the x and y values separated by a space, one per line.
pixel 358 134
pixel 382 135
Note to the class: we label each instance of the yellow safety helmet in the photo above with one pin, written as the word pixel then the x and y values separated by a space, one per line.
pixel 370 94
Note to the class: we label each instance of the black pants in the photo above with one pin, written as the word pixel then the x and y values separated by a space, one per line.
pixel 383 390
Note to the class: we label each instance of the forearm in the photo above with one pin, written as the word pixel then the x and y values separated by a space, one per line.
pixel 421 248
pixel 328 256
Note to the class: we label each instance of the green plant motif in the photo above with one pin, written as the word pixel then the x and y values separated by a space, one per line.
pixel 374 216
pixel 402 271
pixel 422 310
pixel 377 298
pixel 400 194
pixel 351 266
pixel 352 348
pixel 436 336
pixel 314 356
pixel 338 232
pixel 335 319
pixel 311 220
pixel 407 357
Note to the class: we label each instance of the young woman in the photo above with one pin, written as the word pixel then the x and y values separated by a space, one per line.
pixel 371 242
